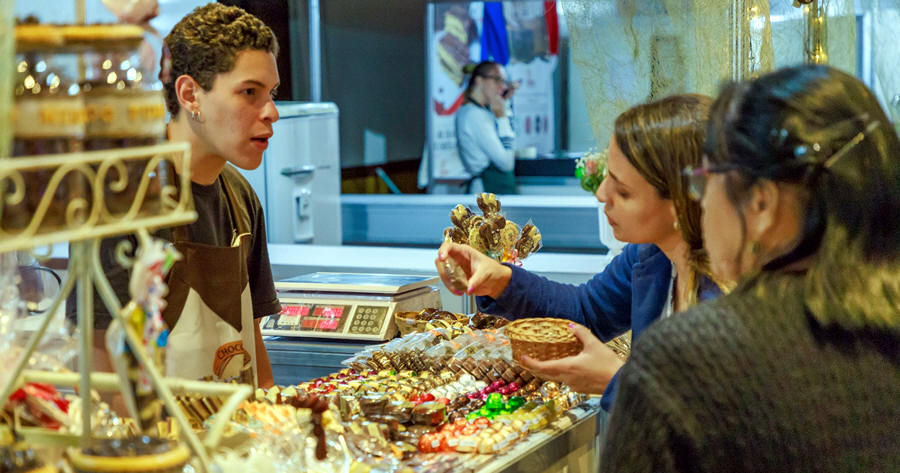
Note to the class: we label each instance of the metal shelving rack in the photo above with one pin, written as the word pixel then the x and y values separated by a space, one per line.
pixel 87 222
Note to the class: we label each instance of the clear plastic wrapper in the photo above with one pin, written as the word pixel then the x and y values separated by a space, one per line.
pixel 56 348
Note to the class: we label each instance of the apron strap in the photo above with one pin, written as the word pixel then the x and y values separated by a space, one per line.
pixel 239 213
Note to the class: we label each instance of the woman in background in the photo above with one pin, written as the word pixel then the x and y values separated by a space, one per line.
pixel 483 133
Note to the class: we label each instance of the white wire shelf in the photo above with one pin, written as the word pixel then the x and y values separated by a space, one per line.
pixel 119 192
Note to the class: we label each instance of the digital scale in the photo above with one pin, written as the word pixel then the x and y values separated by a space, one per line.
pixel 348 306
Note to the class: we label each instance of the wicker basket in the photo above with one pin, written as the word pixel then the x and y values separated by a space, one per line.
pixel 542 338
pixel 407 322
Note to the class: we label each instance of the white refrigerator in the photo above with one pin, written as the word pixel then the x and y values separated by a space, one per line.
pixel 299 180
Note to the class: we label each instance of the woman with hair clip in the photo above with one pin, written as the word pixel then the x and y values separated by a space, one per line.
pixel 664 270
pixel 483 133
pixel 797 369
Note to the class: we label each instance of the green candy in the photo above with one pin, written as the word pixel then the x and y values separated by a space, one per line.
pixel 515 402
pixel 494 401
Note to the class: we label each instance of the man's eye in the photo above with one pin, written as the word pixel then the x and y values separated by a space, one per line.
pixel 249 91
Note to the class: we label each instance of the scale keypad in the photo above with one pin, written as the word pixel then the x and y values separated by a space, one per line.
pixel 368 320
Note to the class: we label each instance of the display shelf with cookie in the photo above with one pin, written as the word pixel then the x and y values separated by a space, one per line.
pixel 87 163
pixel 83 88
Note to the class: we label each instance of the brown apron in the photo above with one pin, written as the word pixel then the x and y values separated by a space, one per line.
pixel 209 309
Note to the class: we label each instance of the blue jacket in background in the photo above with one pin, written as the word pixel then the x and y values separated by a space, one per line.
pixel 630 293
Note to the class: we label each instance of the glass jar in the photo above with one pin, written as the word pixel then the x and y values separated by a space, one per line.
pixel 124 108
pixel 83 88
pixel 48 118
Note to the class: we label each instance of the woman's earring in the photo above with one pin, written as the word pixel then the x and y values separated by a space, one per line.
pixel 676 226
pixel 195 114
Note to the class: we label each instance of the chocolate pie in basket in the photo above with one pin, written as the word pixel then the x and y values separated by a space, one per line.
pixel 542 338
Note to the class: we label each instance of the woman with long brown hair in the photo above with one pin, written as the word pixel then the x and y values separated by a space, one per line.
pixel 662 271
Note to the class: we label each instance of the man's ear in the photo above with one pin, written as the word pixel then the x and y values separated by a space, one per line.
pixel 761 209
pixel 187 90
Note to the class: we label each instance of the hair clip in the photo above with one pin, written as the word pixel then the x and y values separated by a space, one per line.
pixel 850 144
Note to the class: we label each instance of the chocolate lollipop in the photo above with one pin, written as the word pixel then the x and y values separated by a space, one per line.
pixel 490 233
pixel 474 221
pixel 460 215
pixel 488 204
pixel 475 240
pixel 509 235
pixel 529 241
pixel 456 235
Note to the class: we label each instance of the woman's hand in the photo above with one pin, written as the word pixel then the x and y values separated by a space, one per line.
pixel 484 276
pixel 587 372
pixel 498 105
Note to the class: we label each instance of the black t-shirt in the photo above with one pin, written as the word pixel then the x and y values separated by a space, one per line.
pixel 214 226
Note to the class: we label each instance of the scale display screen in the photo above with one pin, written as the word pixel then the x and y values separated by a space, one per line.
pixel 309 318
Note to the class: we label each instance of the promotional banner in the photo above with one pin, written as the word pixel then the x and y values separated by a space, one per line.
pixel 520 35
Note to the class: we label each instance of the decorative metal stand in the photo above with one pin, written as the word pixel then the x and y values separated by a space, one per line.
pixel 87 221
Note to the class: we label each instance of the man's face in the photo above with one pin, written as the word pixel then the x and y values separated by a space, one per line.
pixel 238 111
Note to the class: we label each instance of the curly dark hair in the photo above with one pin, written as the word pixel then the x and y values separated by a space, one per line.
pixel 206 42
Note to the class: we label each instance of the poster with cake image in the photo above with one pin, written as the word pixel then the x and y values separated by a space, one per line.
pixel 455 43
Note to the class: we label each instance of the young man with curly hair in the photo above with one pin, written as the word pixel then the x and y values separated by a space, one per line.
pixel 219 75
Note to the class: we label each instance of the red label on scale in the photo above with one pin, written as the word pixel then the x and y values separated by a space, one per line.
pixel 300 310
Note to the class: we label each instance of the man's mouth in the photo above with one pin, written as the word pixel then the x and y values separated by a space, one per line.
pixel 261 142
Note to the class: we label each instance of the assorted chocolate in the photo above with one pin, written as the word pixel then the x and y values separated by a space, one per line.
pixel 457 324
pixel 461 397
